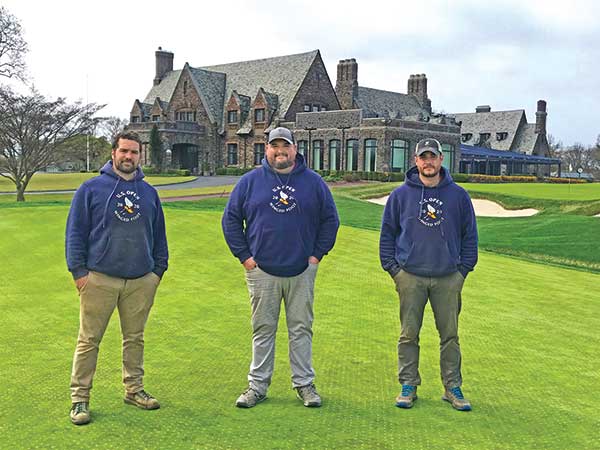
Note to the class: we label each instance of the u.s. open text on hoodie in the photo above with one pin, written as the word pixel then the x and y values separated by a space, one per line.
pixel 116 227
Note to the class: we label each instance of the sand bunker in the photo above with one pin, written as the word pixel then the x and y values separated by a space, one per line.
pixel 483 208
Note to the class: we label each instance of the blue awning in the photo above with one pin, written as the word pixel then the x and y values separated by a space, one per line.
pixel 473 153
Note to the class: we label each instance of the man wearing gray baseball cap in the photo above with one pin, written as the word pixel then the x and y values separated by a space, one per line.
pixel 428 245
pixel 280 221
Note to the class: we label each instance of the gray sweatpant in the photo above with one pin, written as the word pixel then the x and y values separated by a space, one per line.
pixel 444 295
pixel 266 292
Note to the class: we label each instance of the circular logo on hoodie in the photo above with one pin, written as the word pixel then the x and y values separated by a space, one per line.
pixel 283 200
pixel 127 206
pixel 431 212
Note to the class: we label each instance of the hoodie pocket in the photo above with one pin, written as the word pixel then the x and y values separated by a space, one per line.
pixel 430 257
pixel 128 255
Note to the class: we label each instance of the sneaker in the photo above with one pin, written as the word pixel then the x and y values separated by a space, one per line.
pixel 309 395
pixel 407 397
pixel 141 399
pixel 455 397
pixel 80 413
pixel 249 398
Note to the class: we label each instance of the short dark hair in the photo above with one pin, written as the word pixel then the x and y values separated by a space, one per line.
pixel 128 135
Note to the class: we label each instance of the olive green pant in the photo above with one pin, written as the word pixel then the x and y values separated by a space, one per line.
pixel 98 299
pixel 444 294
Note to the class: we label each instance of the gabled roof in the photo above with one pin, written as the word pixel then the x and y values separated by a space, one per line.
pixel 161 104
pixel 165 89
pixel 492 122
pixel 378 103
pixel 526 139
pixel 271 99
pixel 281 75
pixel 211 87
pixel 243 100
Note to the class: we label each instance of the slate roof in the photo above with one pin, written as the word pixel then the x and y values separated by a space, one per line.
pixel 492 122
pixel 378 103
pixel 272 100
pixel 526 139
pixel 280 77
pixel 211 86
pixel 165 89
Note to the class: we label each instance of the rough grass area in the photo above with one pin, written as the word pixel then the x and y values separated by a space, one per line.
pixel 71 181
pixel 528 333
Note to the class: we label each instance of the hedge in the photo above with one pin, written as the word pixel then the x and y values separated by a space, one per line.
pixel 149 170
pixel 233 170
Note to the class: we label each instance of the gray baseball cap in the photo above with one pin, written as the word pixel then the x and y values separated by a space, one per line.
pixel 281 133
pixel 428 145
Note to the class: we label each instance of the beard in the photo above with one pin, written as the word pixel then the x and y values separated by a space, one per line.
pixel 431 174
pixel 282 164
pixel 126 169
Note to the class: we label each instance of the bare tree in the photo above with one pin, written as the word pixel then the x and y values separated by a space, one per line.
pixel 554 145
pixel 579 156
pixel 111 126
pixel 31 128
pixel 12 46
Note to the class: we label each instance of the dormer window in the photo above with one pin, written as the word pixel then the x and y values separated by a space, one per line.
pixel 232 117
pixel 155 118
pixel 466 137
pixel 306 108
pixel 484 137
pixel 501 136
pixel 259 115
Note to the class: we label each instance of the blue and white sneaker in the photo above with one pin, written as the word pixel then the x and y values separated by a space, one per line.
pixel 407 396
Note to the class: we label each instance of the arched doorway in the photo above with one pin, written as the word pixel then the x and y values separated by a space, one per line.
pixel 185 156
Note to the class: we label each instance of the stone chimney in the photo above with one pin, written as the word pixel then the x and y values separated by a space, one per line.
pixel 540 117
pixel 483 108
pixel 417 87
pixel 346 86
pixel 164 64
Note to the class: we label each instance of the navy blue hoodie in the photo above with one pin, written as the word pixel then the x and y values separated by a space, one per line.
pixel 429 232
pixel 280 219
pixel 116 227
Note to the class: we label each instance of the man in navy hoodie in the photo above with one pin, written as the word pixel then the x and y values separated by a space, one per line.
pixel 428 244
pixel 280 222
pixel 116 250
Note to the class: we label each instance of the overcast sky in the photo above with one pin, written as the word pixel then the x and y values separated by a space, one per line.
pixel 507 54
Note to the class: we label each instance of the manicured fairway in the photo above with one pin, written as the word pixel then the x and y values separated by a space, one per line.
pixel 529 338
pixel 548 191
pixel 66 181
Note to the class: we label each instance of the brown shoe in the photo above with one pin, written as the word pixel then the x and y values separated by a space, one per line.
pixel 80 413
pixel 141 399
pixel 455 397
pixel 408 396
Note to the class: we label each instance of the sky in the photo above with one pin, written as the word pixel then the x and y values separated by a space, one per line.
pixel 507 54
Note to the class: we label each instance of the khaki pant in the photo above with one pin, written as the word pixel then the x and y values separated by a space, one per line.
pixel 98 299
pixel 266 292
pixel 444 296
